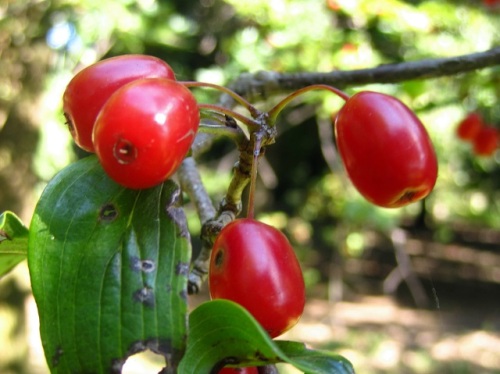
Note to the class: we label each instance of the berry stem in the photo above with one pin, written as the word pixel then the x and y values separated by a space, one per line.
pixel 219 124
pixel 276 110
pixel 221 130
pixel 254 112
pixel 250 123
pixel 253 173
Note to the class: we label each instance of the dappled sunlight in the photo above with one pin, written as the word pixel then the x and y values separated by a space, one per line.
pixel 376 333
pixel 478 347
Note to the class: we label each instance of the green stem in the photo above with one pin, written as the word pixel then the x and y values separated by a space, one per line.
pixel 213 116
pixel 276 110
pixel 221 127
pixel 254 112
pixel 253 174
pixel 250 123
pixel 221 130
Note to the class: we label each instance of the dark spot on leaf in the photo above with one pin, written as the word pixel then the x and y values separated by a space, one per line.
pixel 145 296
pixel 108 213
pixel 57 356
pixel 182 268
pixel 160 346
pixel 183 294
pixel 137 347
pixel 117 365
pixel 146 266
pixel 135 264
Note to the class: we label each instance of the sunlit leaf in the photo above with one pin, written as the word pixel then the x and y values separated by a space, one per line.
pixel 223 333
pixel 109 270
pixel 13 241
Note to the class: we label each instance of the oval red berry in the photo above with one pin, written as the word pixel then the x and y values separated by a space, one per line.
pixel 145 130
pixel 254 265
pixel 485 142
pixel 470 126
pixel 386 150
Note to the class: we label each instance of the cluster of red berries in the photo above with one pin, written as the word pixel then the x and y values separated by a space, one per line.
pixel 141 122
pixel 483 137
pixel 134 115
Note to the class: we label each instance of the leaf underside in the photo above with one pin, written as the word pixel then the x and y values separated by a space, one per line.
pixel 109 268
pixel 13 242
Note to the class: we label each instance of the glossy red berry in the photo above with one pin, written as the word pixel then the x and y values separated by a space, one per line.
pixel 485 142
pixel 247 370
pixel 89 90
pixel 254 265
pixel 470 126
pixel 386 150
pixel 145 130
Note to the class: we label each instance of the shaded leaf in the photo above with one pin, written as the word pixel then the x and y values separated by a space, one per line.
pixel 223 333
pixel 13 242
pixel 109 270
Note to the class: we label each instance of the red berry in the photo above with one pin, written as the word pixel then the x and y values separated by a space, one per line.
pixel 247 370
pixel 89 90
pixel 469 127
pixel 386 150
pixel 145 130
pixel 486 141
pixel 333 5
pixel 491 3
pixel 254 265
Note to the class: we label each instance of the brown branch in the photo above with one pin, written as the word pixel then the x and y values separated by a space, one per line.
pixel 190 180
pixel 264 84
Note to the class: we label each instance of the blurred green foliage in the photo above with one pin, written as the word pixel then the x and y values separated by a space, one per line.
pixel 302 188
pixel 216 41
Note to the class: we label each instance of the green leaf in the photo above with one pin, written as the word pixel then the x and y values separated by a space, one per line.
pixel 314 361
pixel 221 332
pixel 109 270
pixel 13 242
